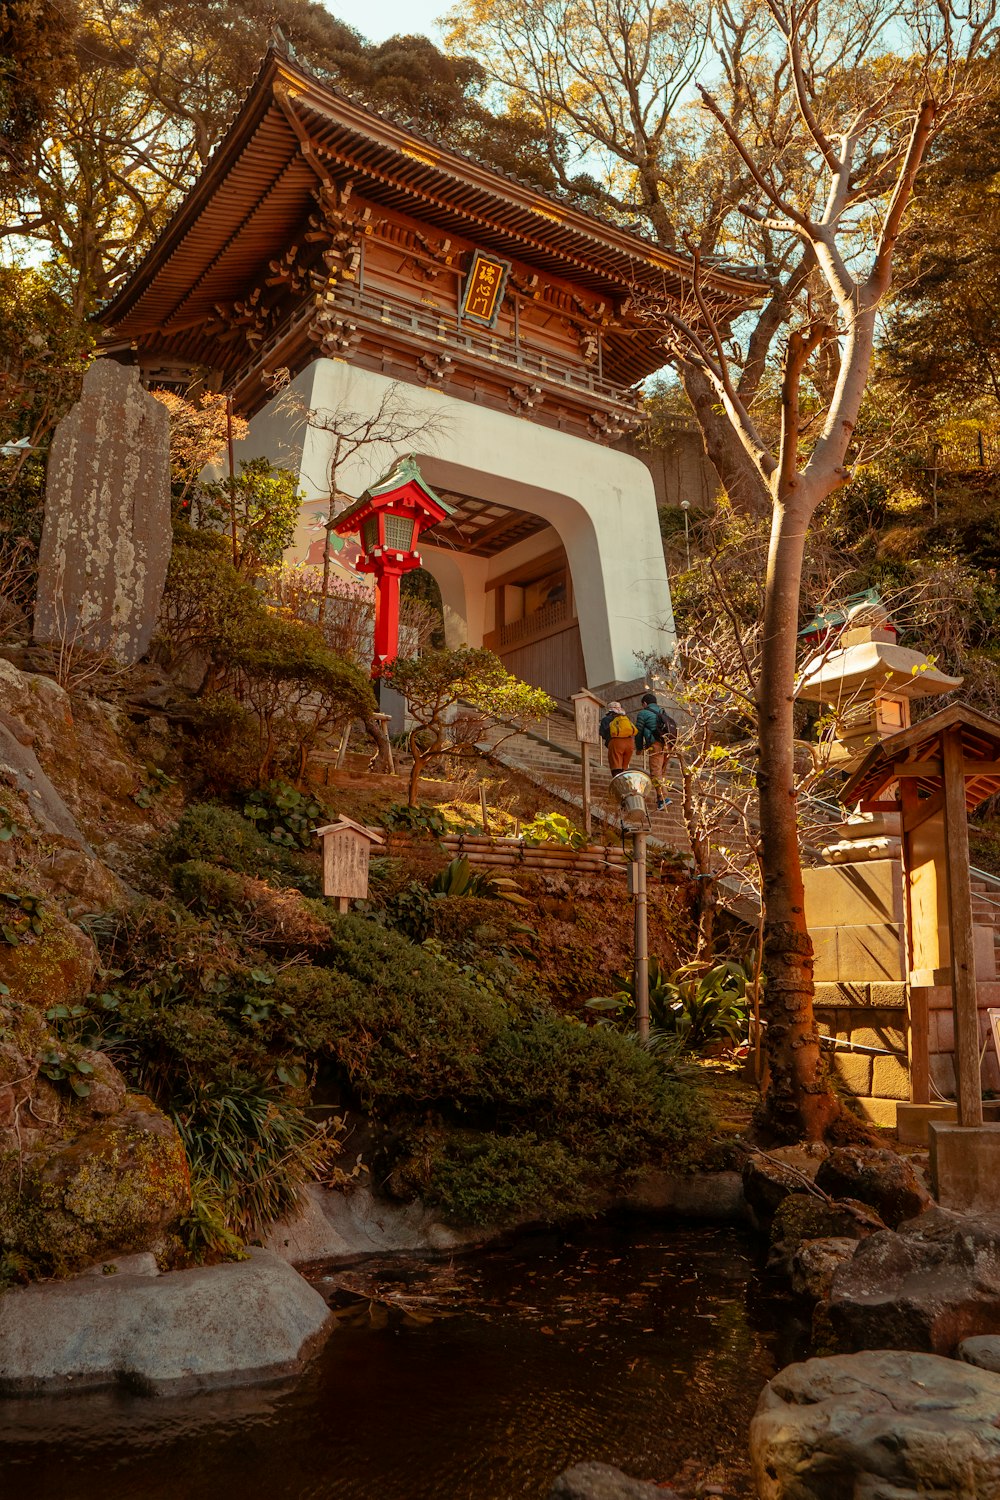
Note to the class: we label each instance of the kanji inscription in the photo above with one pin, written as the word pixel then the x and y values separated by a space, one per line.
pixel 484 288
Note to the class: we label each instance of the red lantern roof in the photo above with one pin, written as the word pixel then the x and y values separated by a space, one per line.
pixel 402 489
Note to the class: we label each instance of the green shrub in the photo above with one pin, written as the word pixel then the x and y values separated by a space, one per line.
pixel 414 1035
pixel 481 1178
pixel 286 815
pixel 691 1007
pixel 406 1031
pixel 207 888
pixel 594 1090
pixel 223 749
pixel 411 911
pixel 219 836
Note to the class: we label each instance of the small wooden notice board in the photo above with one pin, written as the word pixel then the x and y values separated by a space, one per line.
pixel 346 851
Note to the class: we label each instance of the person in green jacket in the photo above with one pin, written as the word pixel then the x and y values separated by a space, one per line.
pixel 656 732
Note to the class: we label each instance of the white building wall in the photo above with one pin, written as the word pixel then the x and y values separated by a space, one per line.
pixel 599 502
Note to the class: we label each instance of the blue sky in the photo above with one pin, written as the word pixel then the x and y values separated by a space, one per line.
pixel 377 19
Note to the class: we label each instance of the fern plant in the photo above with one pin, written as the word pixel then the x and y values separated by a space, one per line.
pixel 692 1006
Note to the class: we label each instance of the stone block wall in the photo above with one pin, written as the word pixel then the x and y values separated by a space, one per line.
pixel 868 1015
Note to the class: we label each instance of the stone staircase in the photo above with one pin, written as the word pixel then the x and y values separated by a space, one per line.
pixel 550 756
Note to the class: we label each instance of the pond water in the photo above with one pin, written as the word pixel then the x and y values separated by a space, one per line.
pixel 475 1380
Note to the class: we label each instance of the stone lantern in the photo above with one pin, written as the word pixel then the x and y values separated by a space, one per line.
pixel 388 519
pixel 863 676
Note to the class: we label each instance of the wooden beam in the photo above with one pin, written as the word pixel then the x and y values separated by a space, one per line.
pixel 963 957
pixel 981 767
pixel 877 805
pixel 921 810
pixel 917 768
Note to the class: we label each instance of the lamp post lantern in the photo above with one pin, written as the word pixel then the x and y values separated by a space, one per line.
pixel 630 788
pixel 685 507
pixel 388 519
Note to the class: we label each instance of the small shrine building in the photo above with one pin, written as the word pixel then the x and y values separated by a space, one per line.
pixel 331 243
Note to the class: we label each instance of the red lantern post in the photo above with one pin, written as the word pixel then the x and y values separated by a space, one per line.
pixel 388 519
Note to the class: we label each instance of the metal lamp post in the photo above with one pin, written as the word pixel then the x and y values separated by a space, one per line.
pixel 630 788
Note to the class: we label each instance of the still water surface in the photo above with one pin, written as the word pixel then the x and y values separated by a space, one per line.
pixel 477 1380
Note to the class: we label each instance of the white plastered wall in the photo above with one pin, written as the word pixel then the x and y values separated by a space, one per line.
pixel 600 503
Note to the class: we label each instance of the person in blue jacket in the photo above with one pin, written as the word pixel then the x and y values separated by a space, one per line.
pixel 656 732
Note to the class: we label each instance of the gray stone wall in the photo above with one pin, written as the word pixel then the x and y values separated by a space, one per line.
pixel 106 534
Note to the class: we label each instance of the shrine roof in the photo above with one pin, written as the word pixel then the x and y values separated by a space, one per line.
pixel 916 752
pixel 292 130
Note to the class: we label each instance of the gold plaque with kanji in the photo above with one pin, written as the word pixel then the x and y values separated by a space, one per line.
pixel 484 288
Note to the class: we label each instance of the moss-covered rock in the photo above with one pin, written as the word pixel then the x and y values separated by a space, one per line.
pixel 804 1217
pixel 118 1187
pixel 55 966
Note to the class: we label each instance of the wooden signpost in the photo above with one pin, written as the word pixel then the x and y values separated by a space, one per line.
pixel 346 851
pixel 587 709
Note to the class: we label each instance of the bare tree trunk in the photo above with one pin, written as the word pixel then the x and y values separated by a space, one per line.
pixel 799 1101
pixel 381 762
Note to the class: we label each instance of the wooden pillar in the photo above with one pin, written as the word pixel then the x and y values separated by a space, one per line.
pixel 963 957
pixel 585 764
pixel 918 1009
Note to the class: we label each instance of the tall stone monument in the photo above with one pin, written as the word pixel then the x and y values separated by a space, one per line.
pixel 106 536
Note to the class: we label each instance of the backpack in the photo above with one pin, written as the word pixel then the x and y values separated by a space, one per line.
pixel 665 732
pixel 621 728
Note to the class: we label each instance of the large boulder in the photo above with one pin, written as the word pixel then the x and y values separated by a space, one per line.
pixel 217 1325
pixel 927 1287
pixel 602 1482
pixel 883 1179
pixel 770 1177
pixel 115 1181
pixel 883 1425
pixel 983 1351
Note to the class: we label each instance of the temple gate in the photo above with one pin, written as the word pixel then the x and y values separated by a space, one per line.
pixel 350 256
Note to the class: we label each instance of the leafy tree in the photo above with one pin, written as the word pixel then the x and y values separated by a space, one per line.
pixel 278 669
pixel 37 58
pixel 808 149
pixel 943 343
pixel 458 699
pixel 105 138
pixel 199 431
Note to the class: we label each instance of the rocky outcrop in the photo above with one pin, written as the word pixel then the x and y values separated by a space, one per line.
pixel 883 1179
pixel 878 1425
pixel 45 960
pixel 68 762
pixel 927 1287
pixel 602 1482
pixel 213 1326
pixel 801 1219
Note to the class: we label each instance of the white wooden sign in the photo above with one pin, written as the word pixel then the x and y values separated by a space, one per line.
pixel 346 850
pixel 587 710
